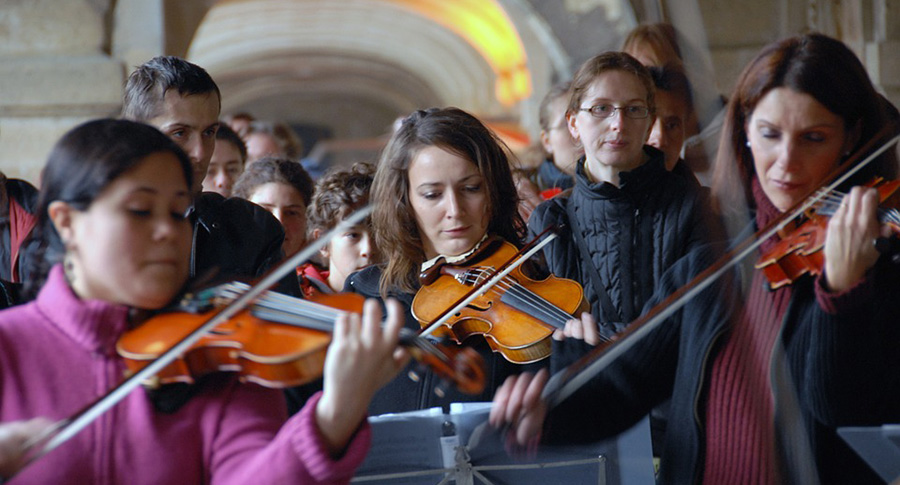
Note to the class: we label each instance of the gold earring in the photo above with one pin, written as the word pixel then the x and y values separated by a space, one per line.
pixel 69 267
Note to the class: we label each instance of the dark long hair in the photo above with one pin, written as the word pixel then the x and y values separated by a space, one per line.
pixel 396 232
pixel 81 164
pixel 814 64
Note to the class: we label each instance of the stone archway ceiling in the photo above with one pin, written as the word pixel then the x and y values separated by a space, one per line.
pixel 313 76
pixel 485 25
pixel 355 46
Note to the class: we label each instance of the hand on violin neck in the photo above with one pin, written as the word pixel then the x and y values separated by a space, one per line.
pixel 518 406
pixel 849 245
pixel 362 357
pixel 584 328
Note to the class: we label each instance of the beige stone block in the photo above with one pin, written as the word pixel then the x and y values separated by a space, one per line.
pixel 53 26
pixel 887 19
pixel 733 23
pixel 60 85
pixel 893 95
pixel 25 143
pixel 883 63
pixel 729 63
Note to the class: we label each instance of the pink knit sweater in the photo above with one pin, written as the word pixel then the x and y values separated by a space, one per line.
pixel 57 354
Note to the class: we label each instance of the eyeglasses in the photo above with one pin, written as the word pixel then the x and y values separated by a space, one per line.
pixel 607 110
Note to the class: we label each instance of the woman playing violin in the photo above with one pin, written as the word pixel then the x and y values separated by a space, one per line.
pixel 442 185
pixel 757 388
pixel 116 194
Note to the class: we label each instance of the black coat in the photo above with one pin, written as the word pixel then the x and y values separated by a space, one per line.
pixel 838 368
pixel 633 233
pixel 238 237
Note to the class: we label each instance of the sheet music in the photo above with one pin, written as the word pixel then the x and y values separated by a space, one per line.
pixel 421 445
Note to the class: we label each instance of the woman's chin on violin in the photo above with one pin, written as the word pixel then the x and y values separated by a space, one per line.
pixel 735 359
pixel 442 185
pixel 113 221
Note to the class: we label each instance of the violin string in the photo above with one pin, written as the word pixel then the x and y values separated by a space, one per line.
pixel 279 308
pixel 510 285
pixel 832 200
pixel 539 302
pixel 536 301
pixel 303 310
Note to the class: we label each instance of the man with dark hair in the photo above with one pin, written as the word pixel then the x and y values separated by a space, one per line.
pixel 182 100
pixel 674 103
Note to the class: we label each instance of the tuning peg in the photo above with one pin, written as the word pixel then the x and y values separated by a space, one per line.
pixel 414 375
pixel 440 390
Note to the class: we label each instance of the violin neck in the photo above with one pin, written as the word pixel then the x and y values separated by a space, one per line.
pixel 287 310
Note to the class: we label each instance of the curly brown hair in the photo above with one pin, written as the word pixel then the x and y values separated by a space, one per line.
pixel 274 169
pixel 338 194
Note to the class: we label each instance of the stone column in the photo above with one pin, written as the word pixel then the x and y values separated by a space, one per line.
pixel 61 63
pixel 883 51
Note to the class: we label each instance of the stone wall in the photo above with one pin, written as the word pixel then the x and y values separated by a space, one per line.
pixel 63 62
pixel 55 71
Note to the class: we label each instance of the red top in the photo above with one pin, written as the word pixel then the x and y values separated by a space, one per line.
pixel 313 279
pixel 740 422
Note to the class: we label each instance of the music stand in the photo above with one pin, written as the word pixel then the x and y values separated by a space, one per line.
pixel 429 447
pixel 879 446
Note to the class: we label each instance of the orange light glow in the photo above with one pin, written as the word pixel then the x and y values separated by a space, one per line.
pixel 485 26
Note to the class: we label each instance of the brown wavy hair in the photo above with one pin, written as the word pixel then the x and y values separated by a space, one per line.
pixel 396 233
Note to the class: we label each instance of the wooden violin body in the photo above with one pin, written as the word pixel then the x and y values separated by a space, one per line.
pixel 517 317
pixel 799 251
pixel 272 355
pixel 278 342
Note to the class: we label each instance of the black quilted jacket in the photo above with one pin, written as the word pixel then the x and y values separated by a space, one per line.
pixel 633 233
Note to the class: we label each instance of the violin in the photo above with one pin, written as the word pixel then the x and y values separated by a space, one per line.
pixel 565 383
pixel 799 251
pixel 517 316
pixel 279 341
pixel 65 429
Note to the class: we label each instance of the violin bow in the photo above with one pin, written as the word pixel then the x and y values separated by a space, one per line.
pixel 482 287
pixel 65 429
pixel 564 383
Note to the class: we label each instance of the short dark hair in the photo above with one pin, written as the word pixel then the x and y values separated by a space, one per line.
pixel 272 169
pixel 672 79
pixel 226 133
pixel 146 87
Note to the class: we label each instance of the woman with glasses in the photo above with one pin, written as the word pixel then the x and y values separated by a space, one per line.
pixel 760 378
pixel 627 218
